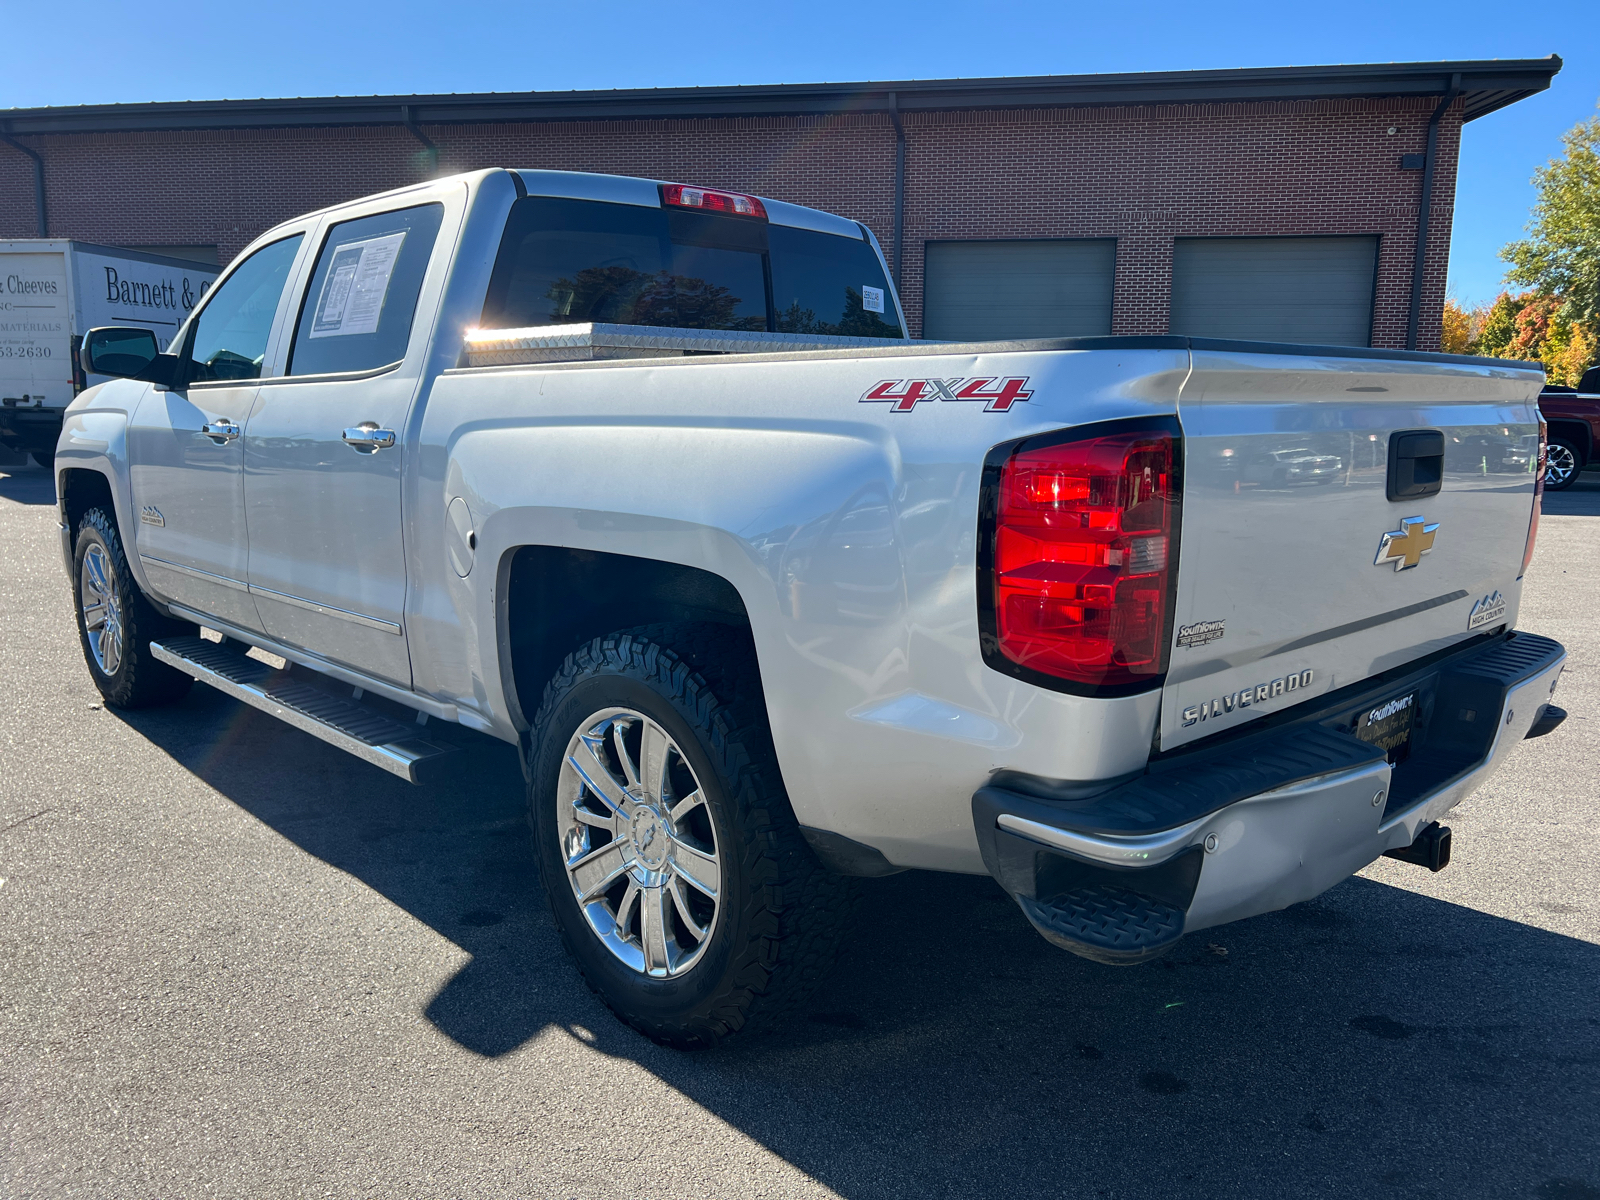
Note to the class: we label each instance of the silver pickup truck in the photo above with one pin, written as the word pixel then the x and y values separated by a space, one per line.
pixel 648 479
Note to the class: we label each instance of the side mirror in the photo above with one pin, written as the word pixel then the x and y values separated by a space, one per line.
pixel 126 352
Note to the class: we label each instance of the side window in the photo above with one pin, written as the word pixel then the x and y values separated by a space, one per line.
pixel 230 334
pixel 357 313
pixel 824 283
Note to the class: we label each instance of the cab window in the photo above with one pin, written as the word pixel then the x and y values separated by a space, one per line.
pixel 357 313
pixel 229 339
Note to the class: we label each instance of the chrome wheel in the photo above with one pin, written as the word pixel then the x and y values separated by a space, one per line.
pixel 638 843
pixel 102 609
pixel 1560 465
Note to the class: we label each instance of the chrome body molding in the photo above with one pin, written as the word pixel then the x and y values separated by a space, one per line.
pixel 327 610
pixel 238 585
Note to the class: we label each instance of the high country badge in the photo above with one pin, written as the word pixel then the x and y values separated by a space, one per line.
pixel 1487 611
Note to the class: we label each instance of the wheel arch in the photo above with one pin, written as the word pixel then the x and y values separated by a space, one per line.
pixel 1578 433
pixel 78 489
pixel 559 597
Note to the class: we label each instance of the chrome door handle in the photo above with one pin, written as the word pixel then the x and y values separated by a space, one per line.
pixel 367 438
pixel 220 432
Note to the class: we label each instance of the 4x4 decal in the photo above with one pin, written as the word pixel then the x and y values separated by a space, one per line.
pixel 998 395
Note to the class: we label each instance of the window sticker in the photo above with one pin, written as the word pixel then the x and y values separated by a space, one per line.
pixel 356 283
pixel 872 298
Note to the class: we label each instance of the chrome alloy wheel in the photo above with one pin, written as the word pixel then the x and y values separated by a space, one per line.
pixel 1560 463
pixel 638 843
pixel 102 609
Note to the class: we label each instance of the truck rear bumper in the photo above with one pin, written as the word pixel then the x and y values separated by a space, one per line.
pixel 1255 822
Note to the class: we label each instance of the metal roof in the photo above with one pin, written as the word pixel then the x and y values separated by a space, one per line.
pixel 1487 85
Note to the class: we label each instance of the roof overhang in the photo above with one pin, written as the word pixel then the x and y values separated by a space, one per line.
pixel 1486 86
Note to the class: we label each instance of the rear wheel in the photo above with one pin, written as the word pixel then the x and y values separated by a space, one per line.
pixel 674 867
pixel 116 623
pixel 1562 462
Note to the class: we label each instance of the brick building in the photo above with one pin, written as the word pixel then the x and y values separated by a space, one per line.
pixel 1283 202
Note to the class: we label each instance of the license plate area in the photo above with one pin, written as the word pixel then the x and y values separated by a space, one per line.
pixel 1388 725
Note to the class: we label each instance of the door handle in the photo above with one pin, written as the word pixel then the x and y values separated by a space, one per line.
pixel 367 438
pixel 220 432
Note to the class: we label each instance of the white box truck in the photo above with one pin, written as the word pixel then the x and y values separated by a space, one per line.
pixel 51 291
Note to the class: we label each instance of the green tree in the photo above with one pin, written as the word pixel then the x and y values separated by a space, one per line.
pixel 1500 325
pixel 1560 257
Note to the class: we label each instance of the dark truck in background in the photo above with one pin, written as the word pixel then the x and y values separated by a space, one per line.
pixel 1573 417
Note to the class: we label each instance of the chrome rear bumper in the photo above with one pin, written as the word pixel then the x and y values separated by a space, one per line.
pixel 1249 850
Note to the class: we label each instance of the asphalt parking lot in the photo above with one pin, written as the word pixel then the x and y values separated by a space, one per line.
pixel 236 962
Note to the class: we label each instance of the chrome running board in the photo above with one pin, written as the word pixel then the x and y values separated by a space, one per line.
pixel 346 723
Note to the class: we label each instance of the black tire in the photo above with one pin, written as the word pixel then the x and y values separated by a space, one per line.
pixel 136 678
pixel 44 458
pixel 781 914
pixel 1563 463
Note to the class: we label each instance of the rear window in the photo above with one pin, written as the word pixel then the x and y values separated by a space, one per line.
pixel 564 262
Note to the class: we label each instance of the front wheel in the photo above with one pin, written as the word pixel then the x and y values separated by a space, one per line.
pixel 116 622
pixel 1562 463
pixel 673 865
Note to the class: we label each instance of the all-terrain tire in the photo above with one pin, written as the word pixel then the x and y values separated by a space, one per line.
pixel 137 679
pixel 782 914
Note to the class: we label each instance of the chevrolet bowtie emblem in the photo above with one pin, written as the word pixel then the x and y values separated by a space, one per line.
pixel 1406 545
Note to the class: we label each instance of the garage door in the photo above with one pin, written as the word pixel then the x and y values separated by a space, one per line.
pixel 1046 287
pixel 1316 290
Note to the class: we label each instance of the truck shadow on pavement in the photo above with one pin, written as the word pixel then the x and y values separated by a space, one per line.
pixel 1374 1041
pixel 27 485
pixel 1582 499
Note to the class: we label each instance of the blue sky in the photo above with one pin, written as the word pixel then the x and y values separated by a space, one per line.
pixel 190 51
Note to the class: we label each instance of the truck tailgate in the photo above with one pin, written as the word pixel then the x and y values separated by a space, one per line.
pixel 1286 509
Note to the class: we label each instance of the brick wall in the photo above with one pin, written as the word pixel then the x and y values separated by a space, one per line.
pixel 1143 175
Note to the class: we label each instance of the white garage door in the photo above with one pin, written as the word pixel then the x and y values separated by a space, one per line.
pixel 1316 290
pixel 1039 287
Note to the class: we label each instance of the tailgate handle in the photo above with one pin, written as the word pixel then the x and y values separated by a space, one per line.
pixel 1416 463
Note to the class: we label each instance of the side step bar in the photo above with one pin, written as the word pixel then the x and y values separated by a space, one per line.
pixel 347 724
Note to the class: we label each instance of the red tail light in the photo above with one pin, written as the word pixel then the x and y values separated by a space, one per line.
pixel 707 200
pixel 1083 553
pixel 1538 499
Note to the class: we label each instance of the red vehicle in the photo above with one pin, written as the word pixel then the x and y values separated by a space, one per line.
pixel 1573 415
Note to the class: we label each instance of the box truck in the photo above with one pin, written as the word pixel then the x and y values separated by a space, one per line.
pixel 51 291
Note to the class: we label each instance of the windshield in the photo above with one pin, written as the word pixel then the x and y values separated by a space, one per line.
pixel 568 261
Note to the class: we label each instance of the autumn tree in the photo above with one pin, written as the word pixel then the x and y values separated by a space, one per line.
pixel 1459 335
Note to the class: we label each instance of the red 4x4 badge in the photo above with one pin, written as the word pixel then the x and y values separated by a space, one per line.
pixel 998 395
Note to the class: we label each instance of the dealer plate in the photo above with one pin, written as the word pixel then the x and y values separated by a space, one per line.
pixel 1388 725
